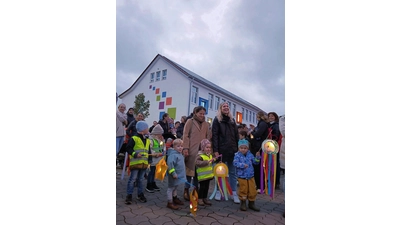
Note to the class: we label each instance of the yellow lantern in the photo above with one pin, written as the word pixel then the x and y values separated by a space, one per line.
pixel 270 146
pixel 193 201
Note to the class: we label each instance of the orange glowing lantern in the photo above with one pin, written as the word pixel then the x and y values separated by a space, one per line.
pixel 193 201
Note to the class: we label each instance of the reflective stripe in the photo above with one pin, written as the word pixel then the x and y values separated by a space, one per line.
pixel 171 170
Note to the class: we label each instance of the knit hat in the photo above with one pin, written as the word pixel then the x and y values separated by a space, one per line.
pixel 243 142
pixel 204 143
pixel 141 126
pixel 157 130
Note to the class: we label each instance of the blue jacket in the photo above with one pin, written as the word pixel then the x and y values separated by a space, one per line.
pixel 240 160
pixel 176 164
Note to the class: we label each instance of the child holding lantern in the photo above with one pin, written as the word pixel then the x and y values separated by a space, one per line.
pixel 243 161
pixel 157 150
pixel 204 170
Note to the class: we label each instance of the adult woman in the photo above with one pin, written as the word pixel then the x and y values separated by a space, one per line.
pixel 195 130
pixel 225 139
pixel 120 125
pixel 259 134
pixel 275 134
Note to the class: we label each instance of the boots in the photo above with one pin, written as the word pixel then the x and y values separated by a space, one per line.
pixel 177 201
pixel 128 199
pixel 155 187
pixel 200 202
pixel 243 205
pixel 172 206
pixel 253 207
pixel 186 194
pixel 206 201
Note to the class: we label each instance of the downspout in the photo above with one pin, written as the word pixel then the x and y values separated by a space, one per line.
pixel 190 95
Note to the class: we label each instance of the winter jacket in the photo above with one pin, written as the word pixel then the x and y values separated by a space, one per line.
pixel 130 118
pixel 259 135
pixel 179 131
pixel 273 131
pixel 167 134
pixel 225 137
pixel 176 165
pixel 193 133
pixel 120 126
pixel 239 162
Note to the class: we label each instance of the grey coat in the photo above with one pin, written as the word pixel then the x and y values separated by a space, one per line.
pixel 175 161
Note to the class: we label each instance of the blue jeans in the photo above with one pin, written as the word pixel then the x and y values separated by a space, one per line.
pixel 151 174
pixel 232 175
pixel 138 176
pixel 120 141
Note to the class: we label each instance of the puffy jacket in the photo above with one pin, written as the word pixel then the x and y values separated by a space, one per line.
pixel 241 160
pixel 225 137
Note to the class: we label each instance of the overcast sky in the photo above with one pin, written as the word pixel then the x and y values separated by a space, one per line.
pixel 238 45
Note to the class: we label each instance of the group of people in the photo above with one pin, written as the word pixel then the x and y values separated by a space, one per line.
pixel 196 146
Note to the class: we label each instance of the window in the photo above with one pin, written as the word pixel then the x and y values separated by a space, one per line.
pixel 195 92
pixel 151 77
pixel 254 117
pixel 158 76
pixel 210 99
pixel 223 100
pixel 247 112
pixel 216 102
pixel 203 102
pixel 234 109
pixel 164 74
pixel 229 104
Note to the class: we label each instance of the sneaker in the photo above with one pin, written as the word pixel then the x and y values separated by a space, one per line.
pixel 141 198
pixel 149 188
pixel 128 199
pixel 155 187
pixel 218 196
pixel 235 198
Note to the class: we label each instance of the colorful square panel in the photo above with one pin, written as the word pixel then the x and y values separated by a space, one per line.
pixel 172 112
pixel 161 114
pixel 161 105
pixel 158 97
pixel 157 91
pixel 150 86
pixel 164 94
pixel 154 88
pixel 169 101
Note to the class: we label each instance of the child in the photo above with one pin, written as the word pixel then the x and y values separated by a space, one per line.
pixel 168 144
pixel 243 161
pixel 157 150
pixel 138 148
pixel 204 171
pixel 176 173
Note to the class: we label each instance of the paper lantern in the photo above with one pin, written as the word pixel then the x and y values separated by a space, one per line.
pixel 193 202
pixel 270 146
pixel 221 170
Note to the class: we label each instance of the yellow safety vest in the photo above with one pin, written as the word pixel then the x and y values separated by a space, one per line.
pixel 143 150
pixel 205 173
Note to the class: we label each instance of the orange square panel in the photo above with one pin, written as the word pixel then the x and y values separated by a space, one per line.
pixel 157 90
pixel 169 101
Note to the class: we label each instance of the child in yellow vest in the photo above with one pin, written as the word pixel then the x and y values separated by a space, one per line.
pixel 204 171
pixel 138 148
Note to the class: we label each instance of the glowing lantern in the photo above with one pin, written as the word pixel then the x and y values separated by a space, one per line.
pixel 193 201
pixel 270 146
pixel 161 169
pixel 221 179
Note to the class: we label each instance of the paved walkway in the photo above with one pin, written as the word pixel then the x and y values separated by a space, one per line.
pixel 155 210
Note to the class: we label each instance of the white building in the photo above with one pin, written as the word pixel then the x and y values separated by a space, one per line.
pixel 175 90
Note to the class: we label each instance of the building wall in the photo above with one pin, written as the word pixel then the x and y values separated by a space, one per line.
pixel 170 95
pixel 173 95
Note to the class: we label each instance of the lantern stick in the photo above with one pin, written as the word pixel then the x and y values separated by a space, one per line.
pixel 123 168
